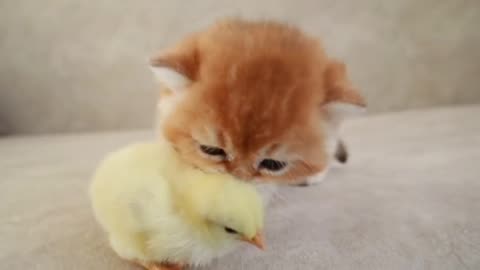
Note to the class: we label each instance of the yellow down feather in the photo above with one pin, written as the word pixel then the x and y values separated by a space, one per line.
pixel 155 208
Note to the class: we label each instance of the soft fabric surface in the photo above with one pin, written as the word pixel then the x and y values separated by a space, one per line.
pixel 409 199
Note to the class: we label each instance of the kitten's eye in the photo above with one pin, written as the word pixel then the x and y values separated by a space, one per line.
pixel 230 230
pixel 213 151
pixel 272 165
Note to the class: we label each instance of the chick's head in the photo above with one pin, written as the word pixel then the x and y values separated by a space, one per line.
pixel 235 211
pixel 227 208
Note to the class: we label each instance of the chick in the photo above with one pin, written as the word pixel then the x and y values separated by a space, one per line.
pixel 162 214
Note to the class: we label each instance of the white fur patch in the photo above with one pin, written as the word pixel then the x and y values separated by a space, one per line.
pixel 331 131
pixel 317 178
pixel 165 106
pixel 170 78
pixel 339 111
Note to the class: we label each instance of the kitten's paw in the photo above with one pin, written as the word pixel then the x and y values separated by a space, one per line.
pixel 314 179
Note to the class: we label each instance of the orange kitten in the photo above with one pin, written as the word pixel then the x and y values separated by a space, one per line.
pixel 259 100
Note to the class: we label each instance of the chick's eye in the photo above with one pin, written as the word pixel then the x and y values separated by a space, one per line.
pixel 212 150
pixel 230 230
pixel 272 165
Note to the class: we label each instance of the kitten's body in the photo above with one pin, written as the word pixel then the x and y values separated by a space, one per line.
pixel 258 100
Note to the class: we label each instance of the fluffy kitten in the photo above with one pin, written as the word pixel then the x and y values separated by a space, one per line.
pixel 260 100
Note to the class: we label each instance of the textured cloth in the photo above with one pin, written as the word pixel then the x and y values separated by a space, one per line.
pixel 408 199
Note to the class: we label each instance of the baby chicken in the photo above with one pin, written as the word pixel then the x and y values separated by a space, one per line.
pixel 162 214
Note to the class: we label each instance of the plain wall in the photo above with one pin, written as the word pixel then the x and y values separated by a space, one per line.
pixel 68 65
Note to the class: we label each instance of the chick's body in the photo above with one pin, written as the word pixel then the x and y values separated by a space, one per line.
pixel 156 209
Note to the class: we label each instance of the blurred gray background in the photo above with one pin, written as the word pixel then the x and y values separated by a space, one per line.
pixel 78 66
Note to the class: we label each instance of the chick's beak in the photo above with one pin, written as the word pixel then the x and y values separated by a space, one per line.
pixel 258 240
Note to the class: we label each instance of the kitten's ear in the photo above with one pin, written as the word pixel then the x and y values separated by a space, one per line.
pixel 177 68
pixel 342 100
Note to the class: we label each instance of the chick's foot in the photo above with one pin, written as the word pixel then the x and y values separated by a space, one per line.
pixel 171 266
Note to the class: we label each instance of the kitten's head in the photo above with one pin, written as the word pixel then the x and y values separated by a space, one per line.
pixel 257 100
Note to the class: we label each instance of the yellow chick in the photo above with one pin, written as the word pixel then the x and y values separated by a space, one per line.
pixel 162 214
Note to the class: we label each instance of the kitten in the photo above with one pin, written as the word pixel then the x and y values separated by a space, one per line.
pixel 259 100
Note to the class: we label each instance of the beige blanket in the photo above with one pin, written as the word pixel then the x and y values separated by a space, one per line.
pixel 409 199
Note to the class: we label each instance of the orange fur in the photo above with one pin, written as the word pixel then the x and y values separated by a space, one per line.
pixel 257 90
